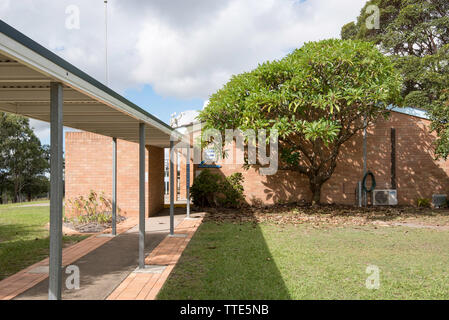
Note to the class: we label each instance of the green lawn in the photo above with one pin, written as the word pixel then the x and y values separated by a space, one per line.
pixel 268 261
pixel 24 239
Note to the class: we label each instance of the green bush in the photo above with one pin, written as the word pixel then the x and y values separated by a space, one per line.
pixel 211 190
pixel 231 191
pixel 204 189
pixel 423 203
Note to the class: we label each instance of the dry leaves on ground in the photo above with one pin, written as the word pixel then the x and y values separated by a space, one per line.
pixel 328 215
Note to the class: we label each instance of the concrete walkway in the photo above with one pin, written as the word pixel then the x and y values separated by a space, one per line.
pixel 104 262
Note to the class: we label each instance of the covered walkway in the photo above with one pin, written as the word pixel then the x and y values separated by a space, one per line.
pixel 36 83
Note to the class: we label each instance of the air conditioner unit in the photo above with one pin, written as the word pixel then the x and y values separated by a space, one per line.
pixel 439 200
pixel 385 197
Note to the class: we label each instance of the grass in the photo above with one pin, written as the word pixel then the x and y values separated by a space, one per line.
pixel 268 261
pixel 24 240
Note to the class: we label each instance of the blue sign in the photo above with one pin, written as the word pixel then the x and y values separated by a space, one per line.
pixel 203 165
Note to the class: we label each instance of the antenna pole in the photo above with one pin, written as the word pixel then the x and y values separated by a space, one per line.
pixel 106 39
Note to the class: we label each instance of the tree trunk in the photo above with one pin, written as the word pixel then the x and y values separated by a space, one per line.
pixel 16 192
pixel 316 193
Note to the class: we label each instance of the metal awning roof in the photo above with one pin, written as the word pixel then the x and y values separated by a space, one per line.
pixel 26 71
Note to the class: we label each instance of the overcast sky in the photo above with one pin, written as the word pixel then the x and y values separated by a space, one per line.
pixel 171 55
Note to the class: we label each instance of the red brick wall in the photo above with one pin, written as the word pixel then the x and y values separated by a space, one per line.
pixel 183 173
pixel 89 157
pixel 88 166
pixel 418 175
pixel 156 179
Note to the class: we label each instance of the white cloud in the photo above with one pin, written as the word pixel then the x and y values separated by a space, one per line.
pixel 194 60
pixel 4 4
pixel 45 22
pixel 184 49
pixel 41 130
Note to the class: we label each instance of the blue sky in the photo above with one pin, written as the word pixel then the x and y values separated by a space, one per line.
pixel 161 106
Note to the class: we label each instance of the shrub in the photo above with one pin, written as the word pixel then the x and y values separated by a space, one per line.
pixel 423 203
pixel 231 191
pixel 204 188
pixel 93 208
pixel 210 189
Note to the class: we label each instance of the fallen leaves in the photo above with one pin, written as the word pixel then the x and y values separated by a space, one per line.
pixel 326 215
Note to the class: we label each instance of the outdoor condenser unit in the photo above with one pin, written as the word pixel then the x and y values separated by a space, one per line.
pixel 387 197
pixel 439 200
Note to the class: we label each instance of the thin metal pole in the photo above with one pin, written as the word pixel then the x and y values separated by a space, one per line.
pixel 365 200
pixel 359 193
pixel 56 191
pixel 188 181
pixel 393 158
pixel 172 189
pixel 114 186
pixel 141 195
pixel 106 40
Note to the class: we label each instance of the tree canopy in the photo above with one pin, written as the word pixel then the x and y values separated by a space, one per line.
pixel 415 33
pixel 23 161
pixel 317 98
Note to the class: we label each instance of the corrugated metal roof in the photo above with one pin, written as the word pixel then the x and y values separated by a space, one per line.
pixel 26 71
pixel 36 47
pixel 416 112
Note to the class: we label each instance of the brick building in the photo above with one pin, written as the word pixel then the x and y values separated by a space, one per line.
pixel 417 173
pixel 88 166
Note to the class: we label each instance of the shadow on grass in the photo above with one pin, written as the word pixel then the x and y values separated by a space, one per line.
pixel 226 261
pixel 9 232
pixel 19 254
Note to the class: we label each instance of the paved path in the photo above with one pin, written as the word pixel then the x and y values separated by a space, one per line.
pixel 420 226
pixel 146 284
pixel 33 275
pixel 104 268
pixel 35 205
pixel 104 262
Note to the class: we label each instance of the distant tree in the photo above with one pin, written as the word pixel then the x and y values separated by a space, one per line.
pixel 38 185
pixel 317 98
pixel 415 33
pixel 23 161
pixel 349 31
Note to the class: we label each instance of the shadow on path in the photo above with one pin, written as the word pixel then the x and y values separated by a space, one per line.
pixel 103 269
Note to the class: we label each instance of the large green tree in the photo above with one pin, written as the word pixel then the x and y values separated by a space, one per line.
pixel 23 161
pixel 415 33
pixel 317 98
